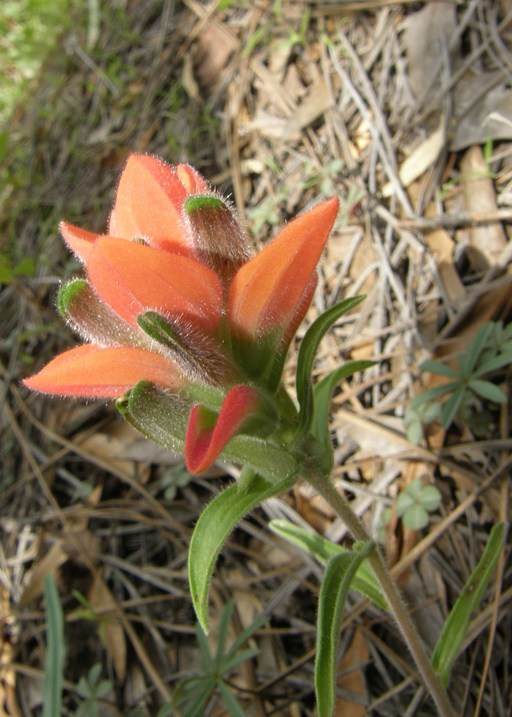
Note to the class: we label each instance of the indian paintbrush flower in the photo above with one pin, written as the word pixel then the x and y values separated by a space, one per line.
pixel 172 297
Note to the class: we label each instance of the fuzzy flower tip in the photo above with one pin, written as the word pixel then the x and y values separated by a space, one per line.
pixel 173 297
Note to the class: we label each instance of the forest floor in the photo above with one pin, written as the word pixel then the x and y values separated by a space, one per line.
pixel 404 111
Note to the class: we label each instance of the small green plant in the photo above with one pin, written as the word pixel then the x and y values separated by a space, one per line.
pixel 487 173
pixel 194 696
pixel 174 478
pixel 28 31
pixel 462 396
pixel 298 37
pixel 325 178
pixel 9 271
pixel 266 213
pixel 415 502
pixel 93 690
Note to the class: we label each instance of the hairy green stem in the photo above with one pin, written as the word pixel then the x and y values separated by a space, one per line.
pixel 326 489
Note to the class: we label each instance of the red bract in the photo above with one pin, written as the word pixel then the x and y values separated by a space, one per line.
pixel 173 298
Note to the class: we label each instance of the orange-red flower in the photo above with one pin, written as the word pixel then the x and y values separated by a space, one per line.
pixel 172 297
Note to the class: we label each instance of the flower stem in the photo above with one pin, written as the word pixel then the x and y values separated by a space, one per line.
pixel 326 489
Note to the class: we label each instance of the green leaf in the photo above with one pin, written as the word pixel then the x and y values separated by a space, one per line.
pixel 160 416
pixel 230 702
pixel 307 353
pixel 223 629
pixel 212 529
pixel 323 550
pixel 163 417
pixel 469 359
pixel 452 406
pixel 432 393
pixel 322 396
pixel 415 517
pixel 25 267
pixel 414 430
pixel 457 623
pixel 493 364
pixel 430 498
pixel 339 574
pixel 415 488
pixel 487 390
pixel 230 663
pixel 263 457
pixel 404 502
pixel 55 650
pixel 430 412
pixel 440 368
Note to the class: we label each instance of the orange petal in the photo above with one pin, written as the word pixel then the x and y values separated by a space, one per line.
pixel 208 434
pixel 191 180
pixel 133 278
pixel 270 291
pixel 103 372
pixel 148 204
pixel 80 241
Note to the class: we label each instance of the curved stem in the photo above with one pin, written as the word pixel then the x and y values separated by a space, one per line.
pixel 326 489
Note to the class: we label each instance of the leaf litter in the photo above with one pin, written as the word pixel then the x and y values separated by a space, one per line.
pixel 401 109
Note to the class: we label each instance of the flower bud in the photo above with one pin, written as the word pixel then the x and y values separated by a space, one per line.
pixel 93 320
pixel 198 355
pixel 216 235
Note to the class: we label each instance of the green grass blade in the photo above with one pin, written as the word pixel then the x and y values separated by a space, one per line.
pixel 457 623
pixel 338 576
pixel 55 650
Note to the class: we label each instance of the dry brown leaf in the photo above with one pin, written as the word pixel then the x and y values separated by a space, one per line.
pixel 428 33
pixel 479 115
pixel 111 632
pixel 316 102
pixel 48 565
pixel 442 247
pixel 353 681
pixel 486 242
pixel 9 706
pixel 214 48
pixel 420 159
pixel 109 446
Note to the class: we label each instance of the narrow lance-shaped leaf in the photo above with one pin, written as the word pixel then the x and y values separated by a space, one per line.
pixel 323 550
pixel 431 394
pixel 487 390
pixel 493 364
pixel 456 626
pixel 307 353
pixel 452 406
pixel 468 359
pixel 338 576
pixel 212 529
pixel 442 369
pixel 322 395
